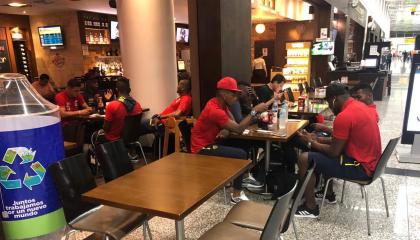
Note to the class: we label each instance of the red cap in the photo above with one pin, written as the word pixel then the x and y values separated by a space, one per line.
pixel 228 83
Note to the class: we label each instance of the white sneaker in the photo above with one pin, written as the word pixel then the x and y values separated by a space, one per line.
pixel 250 182
pixel 235 200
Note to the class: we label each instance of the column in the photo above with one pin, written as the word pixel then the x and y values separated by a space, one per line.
pixel 147 40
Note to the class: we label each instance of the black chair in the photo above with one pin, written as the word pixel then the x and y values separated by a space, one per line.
pixel 271 230
pixel 74 131
pixel 301 88
pixel 254 215
pixel 380 169
pixel 72 178
pixel 131 133
pixel 289 93
pixel 113 157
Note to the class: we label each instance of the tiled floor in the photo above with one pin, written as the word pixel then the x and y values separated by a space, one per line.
pixel 339 221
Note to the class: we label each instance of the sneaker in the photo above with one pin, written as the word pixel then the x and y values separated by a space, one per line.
pixel 251 182
pixel 329 198
pixel 305 212
pixel 235 200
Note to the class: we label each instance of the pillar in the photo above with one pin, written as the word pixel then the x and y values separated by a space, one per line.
pixel 220 34
pixel 147 40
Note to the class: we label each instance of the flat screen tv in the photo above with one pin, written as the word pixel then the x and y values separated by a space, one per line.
pixel 412 111
pixel 182 34
pixel 115 33
pixel 371 63
pixel 51 36
pixel 322 48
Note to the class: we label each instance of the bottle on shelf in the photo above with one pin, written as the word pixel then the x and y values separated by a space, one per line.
pixel 91 38
pixel 101 39
pixel 96 39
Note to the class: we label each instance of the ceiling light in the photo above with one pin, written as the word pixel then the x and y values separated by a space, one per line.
pixel 260 28
pixel 17 4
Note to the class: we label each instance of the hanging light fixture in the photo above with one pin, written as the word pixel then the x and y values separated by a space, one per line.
pixel 260 28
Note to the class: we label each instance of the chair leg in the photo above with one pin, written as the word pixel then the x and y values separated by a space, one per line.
pixel 294 229
pixel 160 147
pixel 386 202
pixel 361 190
pixel 145 231
pixel 142 152
pixel 367 209
pixel 148 230
pixel 225 195
pixel 342 192
pixel 325 193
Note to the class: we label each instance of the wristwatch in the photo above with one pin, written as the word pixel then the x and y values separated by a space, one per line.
pixel 309 144
pixel 253 113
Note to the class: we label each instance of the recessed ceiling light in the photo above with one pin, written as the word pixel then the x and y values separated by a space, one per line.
pixel 17 4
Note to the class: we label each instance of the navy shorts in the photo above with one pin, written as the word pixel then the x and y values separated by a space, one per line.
pixel 331 167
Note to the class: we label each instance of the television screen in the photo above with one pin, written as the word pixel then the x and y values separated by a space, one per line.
pixel 115 33
pixel 323 48
pixel 371 63
pixel 50 36
pixel 182 34
pixel 181 65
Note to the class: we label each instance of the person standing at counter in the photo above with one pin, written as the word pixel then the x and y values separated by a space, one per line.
pixel 44 87
pixel 216 122
pixel 71 102
pixel 259 69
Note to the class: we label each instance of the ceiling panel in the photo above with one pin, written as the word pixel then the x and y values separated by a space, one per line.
pixel 400 15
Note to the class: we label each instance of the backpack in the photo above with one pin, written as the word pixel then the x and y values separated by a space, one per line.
pixel 280 181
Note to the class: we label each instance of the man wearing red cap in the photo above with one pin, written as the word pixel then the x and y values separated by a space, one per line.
pixel 216 122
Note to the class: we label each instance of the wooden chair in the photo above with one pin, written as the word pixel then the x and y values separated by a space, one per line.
pixel 172 127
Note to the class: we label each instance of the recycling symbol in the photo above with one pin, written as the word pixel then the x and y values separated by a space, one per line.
pixel 27 156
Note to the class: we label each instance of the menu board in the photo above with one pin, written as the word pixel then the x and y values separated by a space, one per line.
pixel 4 57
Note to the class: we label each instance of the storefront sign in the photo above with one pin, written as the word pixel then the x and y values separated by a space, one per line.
pixel 4 57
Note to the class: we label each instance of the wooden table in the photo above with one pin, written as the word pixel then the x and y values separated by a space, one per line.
pixel 69 145
pixel 292 127
pixel 171 187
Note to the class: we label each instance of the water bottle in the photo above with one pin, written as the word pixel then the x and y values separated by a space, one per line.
pixel 275 110
pixel 285 107
pixel 282 122
pixel 30 140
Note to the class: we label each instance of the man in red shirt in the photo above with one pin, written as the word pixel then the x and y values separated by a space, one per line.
pixel 216 122
pixel 364 93
pixel 71 102
pixel 117 110
pixel 353 152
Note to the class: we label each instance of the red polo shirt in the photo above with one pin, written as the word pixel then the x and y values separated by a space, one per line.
pixel 372 108
pixel 358 127
pixel 115 114
pixel 182 103
pixel 70 104
pixel 209 124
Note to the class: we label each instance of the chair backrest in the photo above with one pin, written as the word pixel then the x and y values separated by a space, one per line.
pixel 132 127
pixel 290 96
pixel 74 131
pixel 72 178
pixel 297 196
pixel 386 154
pixel 185 129
pixel 277 218
pixel 301 89
pixel 113 157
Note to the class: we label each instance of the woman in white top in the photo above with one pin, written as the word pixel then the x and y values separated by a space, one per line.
pixel 259 73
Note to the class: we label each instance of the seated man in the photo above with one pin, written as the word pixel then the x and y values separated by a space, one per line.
pixel 71 102
pixel 215 122
pixel 44 87
pixel 93 97
pixel 353 152
pixel 267 92
pixel 117 110
pixel 364 94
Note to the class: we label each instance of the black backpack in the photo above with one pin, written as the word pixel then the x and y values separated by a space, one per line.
pixel 280 181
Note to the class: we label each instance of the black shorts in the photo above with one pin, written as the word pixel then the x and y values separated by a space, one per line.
pixel 331 167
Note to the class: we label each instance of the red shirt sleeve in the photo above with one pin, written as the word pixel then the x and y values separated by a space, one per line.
pixel 185 105
pixel 59 100
pixel 219 117
pixel 341 127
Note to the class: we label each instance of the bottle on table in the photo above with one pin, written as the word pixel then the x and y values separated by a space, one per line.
pixel 275 111
pixel 282 121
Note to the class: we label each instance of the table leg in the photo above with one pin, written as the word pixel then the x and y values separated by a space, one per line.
pixel 180 230
pixel 267 155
